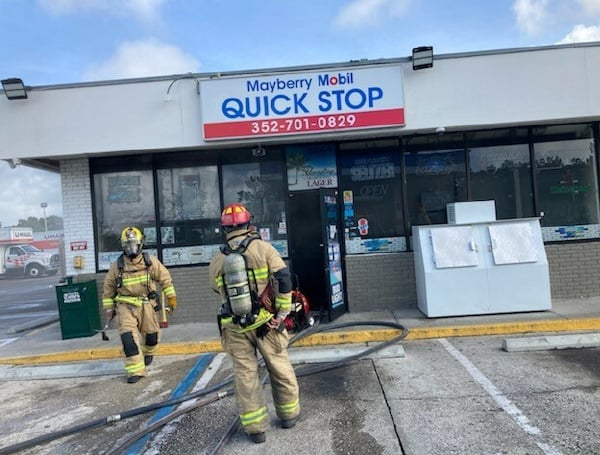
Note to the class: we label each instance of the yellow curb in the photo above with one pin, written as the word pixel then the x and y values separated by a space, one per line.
pixel 332 338
pixel 505 328
pixel 68 356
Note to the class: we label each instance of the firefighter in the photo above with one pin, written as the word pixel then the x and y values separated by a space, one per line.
pixel 255 286
pixel 130 293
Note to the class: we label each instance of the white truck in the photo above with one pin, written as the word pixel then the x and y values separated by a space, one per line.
pixel 18 258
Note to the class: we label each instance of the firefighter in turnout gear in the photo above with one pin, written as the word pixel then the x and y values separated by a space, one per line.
pixel 256 289
pixel 130 293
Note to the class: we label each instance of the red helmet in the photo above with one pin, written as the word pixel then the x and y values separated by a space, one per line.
pixel 235 215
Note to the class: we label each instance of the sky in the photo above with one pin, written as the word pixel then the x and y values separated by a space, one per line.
pixel 46 42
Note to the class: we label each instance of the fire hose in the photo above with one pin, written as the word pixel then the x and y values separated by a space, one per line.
pixel 300 371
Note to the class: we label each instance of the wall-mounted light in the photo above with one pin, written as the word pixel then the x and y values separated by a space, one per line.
pixel 14 89
pixel 259 151
pixel 422 57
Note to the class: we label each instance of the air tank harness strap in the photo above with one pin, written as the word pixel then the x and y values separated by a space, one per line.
pixel 262 318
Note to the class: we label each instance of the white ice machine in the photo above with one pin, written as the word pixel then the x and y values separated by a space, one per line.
pixel 481 268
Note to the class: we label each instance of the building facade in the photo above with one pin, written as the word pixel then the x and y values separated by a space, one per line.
pixel 336 163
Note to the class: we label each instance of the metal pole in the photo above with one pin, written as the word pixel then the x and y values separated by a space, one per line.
pixel 44 205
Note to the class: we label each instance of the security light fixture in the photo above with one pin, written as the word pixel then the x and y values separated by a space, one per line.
pixel 14 89
pixel 422 57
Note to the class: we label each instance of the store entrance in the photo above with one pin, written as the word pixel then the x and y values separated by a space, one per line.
pixel 314 250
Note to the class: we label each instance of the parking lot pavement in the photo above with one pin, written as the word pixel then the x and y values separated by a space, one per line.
pixel 447 395
pixel 421 392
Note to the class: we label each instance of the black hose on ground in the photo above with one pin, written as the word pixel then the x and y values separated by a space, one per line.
pixel 301 371
pixel 166 419
pixel 107 420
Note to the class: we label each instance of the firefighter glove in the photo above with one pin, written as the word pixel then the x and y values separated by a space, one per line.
pixel 275 322
pixel 171 304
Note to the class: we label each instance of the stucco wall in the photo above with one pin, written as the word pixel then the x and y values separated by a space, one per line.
pixel 503 87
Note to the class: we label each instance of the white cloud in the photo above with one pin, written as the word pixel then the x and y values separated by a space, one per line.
pixel 142 59
pixel 530 14
pixel 147 10
pixel 582 33
pixel 370 12
pixel 24 189
pixel 591 8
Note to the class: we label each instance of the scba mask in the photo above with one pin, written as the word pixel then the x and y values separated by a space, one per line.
pixel 132 241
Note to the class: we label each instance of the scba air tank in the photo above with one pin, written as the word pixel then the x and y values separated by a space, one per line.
pixel 236 283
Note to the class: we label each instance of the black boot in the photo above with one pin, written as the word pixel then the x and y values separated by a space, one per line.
pixel 148 359
pixel 258 438
pixel 289 423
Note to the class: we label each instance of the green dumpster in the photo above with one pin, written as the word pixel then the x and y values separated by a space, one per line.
pixel 78 309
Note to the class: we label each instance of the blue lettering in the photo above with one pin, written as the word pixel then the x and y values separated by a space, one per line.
pixel 277 110
pixel 353 99
pixel 338 98
pixel 375 93
pixel 263 106
pixel 232 108
pixel 339 79
pixel 277 84
pixel 325 105
pixel 298 103
pixel 362 98
pixel 257 105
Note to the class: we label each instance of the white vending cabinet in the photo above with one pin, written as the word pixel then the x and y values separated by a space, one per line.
pixel 481 268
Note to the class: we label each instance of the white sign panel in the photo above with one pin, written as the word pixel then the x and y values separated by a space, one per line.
pixel 300 103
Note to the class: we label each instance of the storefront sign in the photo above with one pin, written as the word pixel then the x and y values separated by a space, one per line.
pixel 311 166
pixel 300 103
pixel 80 245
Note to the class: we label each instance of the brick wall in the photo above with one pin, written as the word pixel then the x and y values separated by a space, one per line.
pixel 77 218
pixel 574 269
pixel 380 282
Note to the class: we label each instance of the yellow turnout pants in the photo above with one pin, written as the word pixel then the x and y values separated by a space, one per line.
pixel 139 330
pixel 249 392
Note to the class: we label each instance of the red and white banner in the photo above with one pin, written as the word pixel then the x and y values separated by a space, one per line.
pixel 299 103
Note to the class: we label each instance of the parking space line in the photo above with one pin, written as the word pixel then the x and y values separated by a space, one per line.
pixel 187 382
pixel 207 374
pixel 502 401
pixel 7 341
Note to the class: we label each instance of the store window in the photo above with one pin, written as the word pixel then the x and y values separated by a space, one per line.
pixel 371 189
pixel 435 176
pixel 500 170
pixel 189 209
pixel 260 186
pixel 123 198
pixel 566 181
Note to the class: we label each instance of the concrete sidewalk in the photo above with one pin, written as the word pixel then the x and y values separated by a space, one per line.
pixel 45 346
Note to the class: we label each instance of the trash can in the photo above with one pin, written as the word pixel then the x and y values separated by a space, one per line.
pixel 78 309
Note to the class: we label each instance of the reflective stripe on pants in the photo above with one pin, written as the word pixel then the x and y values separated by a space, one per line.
pixel 249 392
pixel 140 321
